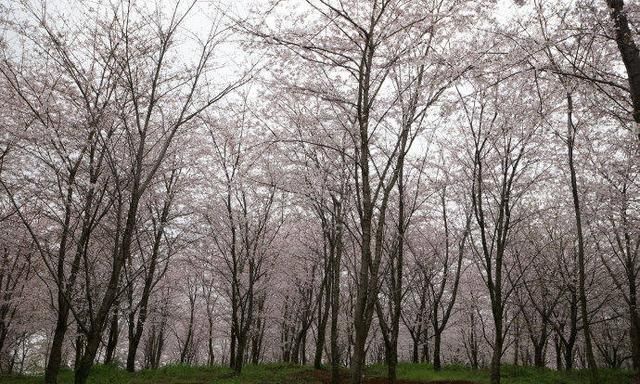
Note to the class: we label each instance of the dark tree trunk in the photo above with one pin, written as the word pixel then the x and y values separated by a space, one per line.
pixel 425 356
pixel 336 263
pixel 185 354
pixel 634 327
pixel 210 354
pixel 558 349
pixel 538 355
pixel 628 51
pixel 582 296
pixel 568 358
pixel 475 363
pixel 83 367
pixel 232 346
pixel 256 342
pixel 156 345
pixel 437 365
pixel 303 349
pixel 361 315
pixel 516 342
pixel 392 365
pixel 323 317
pixel 239 358
pixel 114 332
pixel 497 352
pixel 55 353
pixel 79 346
pixel 569 343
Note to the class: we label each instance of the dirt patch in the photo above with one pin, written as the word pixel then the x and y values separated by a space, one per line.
pixel 324 377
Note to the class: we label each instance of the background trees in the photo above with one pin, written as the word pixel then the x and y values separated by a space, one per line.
pixel 335 181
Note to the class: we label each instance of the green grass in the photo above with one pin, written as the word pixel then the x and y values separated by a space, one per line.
pixel 291 374
pixel 509 374
pixel 178 374
pixel 425 372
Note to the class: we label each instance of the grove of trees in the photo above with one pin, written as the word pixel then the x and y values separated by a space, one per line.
pixel 324 182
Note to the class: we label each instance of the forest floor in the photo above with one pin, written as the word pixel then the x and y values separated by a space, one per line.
pixel 291 374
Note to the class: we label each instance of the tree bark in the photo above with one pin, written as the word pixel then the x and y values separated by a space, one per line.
pixel 628 52
pixel 558 349
pixel 496 357
pixel 437 339
pixel 591 361
pixel 336 263
pixel 323 316
pixel 114 331
pixel 55 353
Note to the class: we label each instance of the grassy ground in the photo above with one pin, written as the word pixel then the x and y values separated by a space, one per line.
pixel 510 375
pixel 176 374
pixel 288 374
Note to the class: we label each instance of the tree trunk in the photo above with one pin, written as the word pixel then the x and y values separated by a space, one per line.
pixel 55 354
pixel 256 348
pixel 425 355
pixel 83 367
pixel 628 51
pixel 358 355
pixel 573 332
pixel 159 346
pixel 581 256
pixel 516 342
pixel 133 341
pixel 437 339
pixel 295 352
pixel 323 316
pixel 239 358
pixel 114 333
pixel 79 345
pixel 303 349
pixel 558 349
pixel 232 346
pixel 538 355
pixel 497 354
pixel 568 357
pixel 186 348
pixel 210 355
pixel 634 331
pixel 392 365
pixel 335 294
